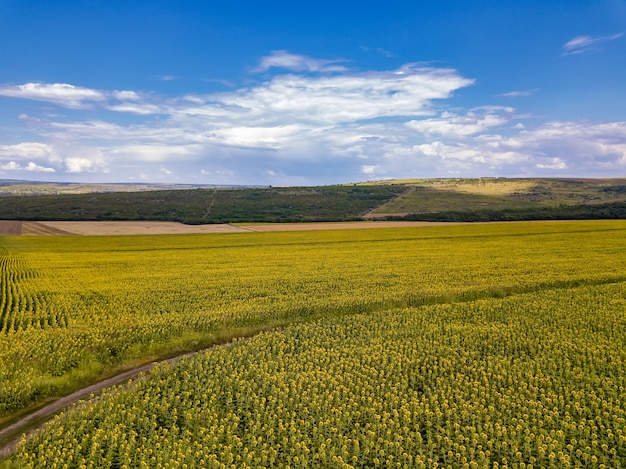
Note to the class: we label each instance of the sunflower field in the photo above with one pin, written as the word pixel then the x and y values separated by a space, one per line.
pixel 497 345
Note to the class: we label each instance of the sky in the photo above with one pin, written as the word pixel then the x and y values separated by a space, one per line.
pixel 311 93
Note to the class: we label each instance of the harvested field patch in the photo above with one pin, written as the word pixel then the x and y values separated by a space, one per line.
pixel 35 228
pixel 95 228
pixel 10 228
pixel 103 228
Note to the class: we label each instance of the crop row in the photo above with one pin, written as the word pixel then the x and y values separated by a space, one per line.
pixel 20 307
pixel 127 298
pixel 529 381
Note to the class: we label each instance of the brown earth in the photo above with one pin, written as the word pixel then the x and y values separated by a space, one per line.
pixel 10 228
pixel 35 228
pixel 91 228
pixel 94 228
pixel 103 228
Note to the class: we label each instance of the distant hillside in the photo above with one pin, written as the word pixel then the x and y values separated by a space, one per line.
pixel 13 187
pixel 198 206
pixel 484 199
pixel 481 199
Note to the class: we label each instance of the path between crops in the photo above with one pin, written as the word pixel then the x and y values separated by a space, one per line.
pixel 44 414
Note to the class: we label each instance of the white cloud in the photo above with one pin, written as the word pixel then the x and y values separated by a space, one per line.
pixel 31 166
pixel 517 94
pixel 257 137
pixel 587 44
pixel 555 163
pixel 299 63
pixel 452 125
pixel 80 165
pixel 126 95
pixel 136 108
pixel 302 128
pixel 27 150
pixel 76 97
pixel 583 147
pixel 42 157
pixel 349 97
pixel 133 103
pixel 62 94
pixel 560 148
pixel 151 153
pixel 369 169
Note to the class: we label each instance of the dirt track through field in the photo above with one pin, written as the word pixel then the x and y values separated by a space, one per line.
pixel 11 436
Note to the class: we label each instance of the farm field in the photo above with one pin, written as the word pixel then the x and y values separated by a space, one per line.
pixel 534 380
pixel 105 228
pixel 442 342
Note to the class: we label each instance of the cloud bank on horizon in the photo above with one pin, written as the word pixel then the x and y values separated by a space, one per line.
pixel 298 119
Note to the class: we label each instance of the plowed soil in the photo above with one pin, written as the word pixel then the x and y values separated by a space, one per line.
pixel 103 228
pixel 10 228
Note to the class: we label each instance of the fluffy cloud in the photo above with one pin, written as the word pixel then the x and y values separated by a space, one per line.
pixel 79 165
pixel 31 166
pixel 26 150
pixel 76 97
pixel 555 163
pixel 126 95
pixel 348 97
pixel 69 96
pixel 72 157
pixel 318 122
pixel 477 120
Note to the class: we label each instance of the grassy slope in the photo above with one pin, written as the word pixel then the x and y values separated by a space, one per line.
pixel 504 199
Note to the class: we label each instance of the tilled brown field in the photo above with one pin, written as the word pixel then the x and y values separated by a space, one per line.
pixel 10 228
pixel 103 228
pixel 29 228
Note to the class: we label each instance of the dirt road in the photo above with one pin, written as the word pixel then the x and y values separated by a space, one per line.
pixel 12 435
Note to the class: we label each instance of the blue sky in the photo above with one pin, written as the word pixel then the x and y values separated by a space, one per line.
pixel 307 93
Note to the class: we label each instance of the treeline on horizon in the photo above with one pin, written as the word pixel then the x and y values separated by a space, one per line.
pixel 609 211
pixel 204 206
pixel 272 205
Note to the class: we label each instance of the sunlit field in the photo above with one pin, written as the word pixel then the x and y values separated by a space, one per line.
pixel 460 346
